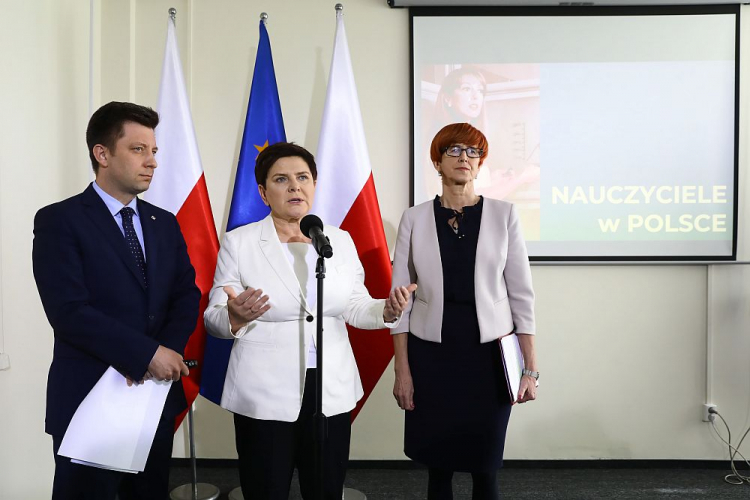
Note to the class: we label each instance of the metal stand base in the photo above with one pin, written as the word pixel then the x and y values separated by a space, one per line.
pixel 349 494
pixel 352 494
pixel 185 492
pixel 194 490
pixel 236 494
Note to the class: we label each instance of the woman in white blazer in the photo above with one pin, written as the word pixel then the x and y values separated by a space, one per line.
pixel 468 257
pixel 264 297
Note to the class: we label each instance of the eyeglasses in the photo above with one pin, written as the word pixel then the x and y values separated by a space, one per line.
pixel 455 151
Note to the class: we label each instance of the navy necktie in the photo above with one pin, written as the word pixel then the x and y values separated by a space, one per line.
pixel 132 240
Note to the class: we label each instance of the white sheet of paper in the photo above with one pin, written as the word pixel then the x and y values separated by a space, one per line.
pixel 513 361
pixel 114 426
pixel 100 466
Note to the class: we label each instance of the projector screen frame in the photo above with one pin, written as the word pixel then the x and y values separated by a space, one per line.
pixel 571 11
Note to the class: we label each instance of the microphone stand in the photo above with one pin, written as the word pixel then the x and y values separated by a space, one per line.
pixel 319 419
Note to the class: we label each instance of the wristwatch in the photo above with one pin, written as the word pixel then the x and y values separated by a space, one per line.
pixel 534 375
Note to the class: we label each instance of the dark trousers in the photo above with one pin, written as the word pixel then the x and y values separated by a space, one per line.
pixel 269 450
pixel 80 482
pixel 440 485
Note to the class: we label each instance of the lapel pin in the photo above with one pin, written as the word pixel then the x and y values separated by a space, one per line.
pixel 153 217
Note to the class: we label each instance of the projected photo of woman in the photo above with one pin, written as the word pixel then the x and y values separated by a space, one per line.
pixel 461 99
pixel 502 101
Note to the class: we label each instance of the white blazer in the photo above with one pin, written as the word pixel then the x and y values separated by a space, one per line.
pixel 266 373
pixel 502 276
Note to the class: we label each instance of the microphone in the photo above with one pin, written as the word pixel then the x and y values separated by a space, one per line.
pixel 312 227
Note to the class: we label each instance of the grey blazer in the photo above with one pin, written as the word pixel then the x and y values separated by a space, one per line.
pixel 502 276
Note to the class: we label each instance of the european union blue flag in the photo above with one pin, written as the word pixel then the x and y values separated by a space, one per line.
pixel 264 125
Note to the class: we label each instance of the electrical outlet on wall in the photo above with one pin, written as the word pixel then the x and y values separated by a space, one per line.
pixel 708 416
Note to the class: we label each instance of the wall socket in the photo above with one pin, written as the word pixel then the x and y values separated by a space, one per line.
pixel 708 417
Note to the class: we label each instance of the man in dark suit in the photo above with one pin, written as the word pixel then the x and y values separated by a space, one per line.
pixel 118 288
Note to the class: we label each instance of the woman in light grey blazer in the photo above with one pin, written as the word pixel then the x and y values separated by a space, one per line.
pixel 264 297
pixel 468 258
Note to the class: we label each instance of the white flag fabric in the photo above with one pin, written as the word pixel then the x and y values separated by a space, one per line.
pixel 178 157
pixel 343 161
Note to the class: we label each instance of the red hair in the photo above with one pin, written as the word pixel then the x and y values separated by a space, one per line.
pixel 458 133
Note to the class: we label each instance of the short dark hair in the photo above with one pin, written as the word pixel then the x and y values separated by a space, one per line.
pixel 107 123
pixel 274 153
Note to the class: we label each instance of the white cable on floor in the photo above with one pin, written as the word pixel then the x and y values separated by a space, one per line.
pixel 735 478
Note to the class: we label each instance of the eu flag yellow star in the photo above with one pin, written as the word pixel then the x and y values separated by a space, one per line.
pixel 261 148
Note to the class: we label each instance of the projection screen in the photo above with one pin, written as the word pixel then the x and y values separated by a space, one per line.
pixel 613 130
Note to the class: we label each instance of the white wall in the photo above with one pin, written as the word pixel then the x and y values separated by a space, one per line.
pixel 628 354
pixel 43 116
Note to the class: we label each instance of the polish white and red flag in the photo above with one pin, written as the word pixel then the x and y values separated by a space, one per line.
pixel 345 197
pixel 179 186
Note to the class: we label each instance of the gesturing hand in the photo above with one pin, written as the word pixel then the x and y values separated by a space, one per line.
pixel 245 307
pixel 397 302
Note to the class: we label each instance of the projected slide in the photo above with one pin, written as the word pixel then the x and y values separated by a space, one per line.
pixel 614 136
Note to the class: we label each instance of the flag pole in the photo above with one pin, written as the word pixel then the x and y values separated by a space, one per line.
pixel 194 490
pixel 245 212
pixel 349 493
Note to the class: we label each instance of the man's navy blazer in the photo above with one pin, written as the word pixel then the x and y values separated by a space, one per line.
pixel 101 311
